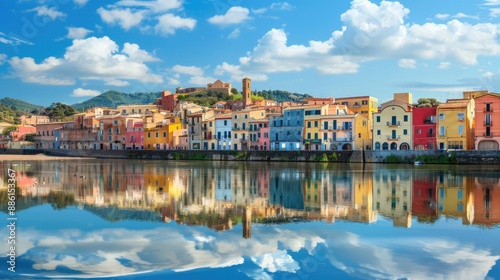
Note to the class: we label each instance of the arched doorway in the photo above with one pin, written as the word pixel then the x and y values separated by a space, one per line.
pixel 394 146
pixel 377 146
pixel 385 146
pixel 347 147
pixel 489 145
pixel 404 146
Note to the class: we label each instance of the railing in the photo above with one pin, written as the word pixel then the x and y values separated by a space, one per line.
pixel 486 110
pixel 431 134
pixel 488 123
pixel 390 137
pixel 396 123
pixel 488 134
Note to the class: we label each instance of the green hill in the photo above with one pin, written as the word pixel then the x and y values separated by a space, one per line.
pixel 114 98
pixel 19 105
pixel 281 95
pixel 8 115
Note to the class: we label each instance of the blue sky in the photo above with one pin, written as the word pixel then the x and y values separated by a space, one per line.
pixel 70 50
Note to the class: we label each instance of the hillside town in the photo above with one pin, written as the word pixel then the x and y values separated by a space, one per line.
pixel 333 123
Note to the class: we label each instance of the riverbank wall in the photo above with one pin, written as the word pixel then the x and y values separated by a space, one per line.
pixel 368 156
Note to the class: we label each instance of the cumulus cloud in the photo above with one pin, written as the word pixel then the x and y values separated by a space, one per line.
pixel 234 15
pixel 371 32
pixel 126 18
pixel 45 11
pixel 154 15
pixel 407 63
pixel 494 12
pixel 188 70
pixel 442 16
pixel 169 23
pixel 77 32
pixel 80 92
pixel 88 59
pixel 277 261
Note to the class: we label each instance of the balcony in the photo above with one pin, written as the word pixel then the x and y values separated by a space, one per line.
pixel 487 110
pixel 345 139
pixel 431 134
pixel 312 141
pixel 395 123
pixel 345 128
pixel 488 123
pixel 393 138
pixel 488 135
pixel 236 129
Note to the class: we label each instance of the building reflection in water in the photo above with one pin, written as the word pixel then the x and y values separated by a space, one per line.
pixel 221 195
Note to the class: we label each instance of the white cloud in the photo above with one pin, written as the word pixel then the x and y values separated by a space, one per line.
pixel 13 41
pixel 462 15
pixel 77 32
pixel 188 70
pixel 259 11
pixel 201 80
pixel 80 92
pixel 88 59
pixel 234 15
pixel 277 261
pixel 444 65
pixel 236 73
pixel 407 63
pixel 371 32
pixel 154 5
pixel 173 82
pixel 487 75
pixel 44 11
pixel 494 12
pixel 126 18
pixel 169 23
pixel 442 16
pixel 234 34
pixel 3 58
pixel 491 3
pixel 81 2
pixel 283 6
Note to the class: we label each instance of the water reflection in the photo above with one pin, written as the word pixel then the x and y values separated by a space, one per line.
pixel 269 204
pixel 219 194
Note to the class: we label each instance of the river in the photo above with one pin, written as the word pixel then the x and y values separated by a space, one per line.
pixel 150 219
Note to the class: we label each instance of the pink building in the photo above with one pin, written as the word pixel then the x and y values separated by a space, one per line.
pixel 487 131
pixel 424 128
pixel 259 134
pixel 134 135
pixel 20 133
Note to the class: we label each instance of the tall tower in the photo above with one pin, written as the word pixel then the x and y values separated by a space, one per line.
pixel 246 91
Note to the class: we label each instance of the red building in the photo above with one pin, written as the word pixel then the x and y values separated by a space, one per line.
pixel 424 198
pixel 424 128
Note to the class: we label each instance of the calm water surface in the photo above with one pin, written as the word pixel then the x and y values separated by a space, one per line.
pixel 133 219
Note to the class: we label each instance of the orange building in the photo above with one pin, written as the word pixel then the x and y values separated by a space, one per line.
pixel 487 130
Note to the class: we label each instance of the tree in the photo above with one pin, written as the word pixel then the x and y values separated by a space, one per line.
pixel 234 91
pixel 428 102
pixel 58 111
pixel 6 131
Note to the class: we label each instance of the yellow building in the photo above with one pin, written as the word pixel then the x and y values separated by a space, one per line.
pixel 156 138
pixel 313 137
pixel 392 126
pixel 364 105
pixel 455 123
pixel 456 197
pixel 173 126
pixel 240 122
pixel 136 109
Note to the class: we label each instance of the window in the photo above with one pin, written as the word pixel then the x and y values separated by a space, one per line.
pixel 378 118
pixel 315 123
pixel 325 125
pixel 210 124
pixel 156 134
pixel 308 135
pixel 236 136
pixel 164 134
pixel 378 131
pixel 225 122
pixel 460 129
pixel 345 103
pixel 246 116
pixel 325 136
pixel 117 131
pixel 235 117
pixel 115 122
pixel 110 131
pixel 460 117
pixel 364 102
pixel 315 135
pixel 405 131
pixel 405 118
pixel 308 124
pixel 442 131
pixel 441 116
pixel 419 131
pixel 110 138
